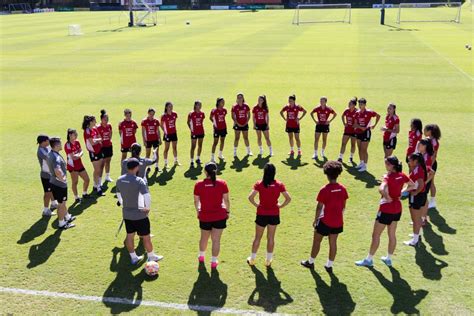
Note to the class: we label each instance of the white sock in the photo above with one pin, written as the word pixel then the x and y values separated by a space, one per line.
pixel 100 182
pixel 156 164
pixel 220 153
pixel 389 256
pixel 198 158
pixel 150 254
pixel 270 148
pixel 192 160
pixel 62 223
pixel 369 257
pixel 311 260
pixel 175 159
pixel 54 203
pixel 416 237
pixel 299 148
pixel 315 152
pixel 133 255
pixel 269 256
pixel 202 253
pixel 67 217
pixel 166 161
pixel 432 199
pixel 322 152
pixel 84 193
pixel 235 149
pixel 260 147
pixel 341 155
pixel 212 156
pixel 253 255
pixel 76 196
pixel 107 175
pixel 329 263
pixel 45 209
pixel 352 155
pixel 214 259
pixel 248 149
pixel 291 148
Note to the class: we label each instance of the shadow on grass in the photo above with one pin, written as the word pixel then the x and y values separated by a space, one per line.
pixel 150 176
pixel 209 292
pixel 40 253
pixel 440 222
pixel 399 29
pixel 268 292
pixel 334 297
pixel 221 166
pixel 365 176
pixel 261 161
pixel 78 208
pixel 320 162
pixel 294 163
pixel 193 172
pixel 35 230
pixel 240 164
pixel 165 176
pixel 434 240
pixel 429 265
pixel 405 299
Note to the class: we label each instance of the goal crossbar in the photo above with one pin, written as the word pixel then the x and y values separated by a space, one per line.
pixel 430 5
pixel 345 18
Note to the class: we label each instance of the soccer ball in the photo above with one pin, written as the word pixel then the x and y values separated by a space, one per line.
pixel 152 268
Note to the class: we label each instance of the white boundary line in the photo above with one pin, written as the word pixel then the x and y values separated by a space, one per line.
pixel 120 300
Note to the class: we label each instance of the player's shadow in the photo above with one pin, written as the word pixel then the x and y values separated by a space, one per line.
pixel 78 208
pixel 320 162
pixel 440 222
pixel 430 266
pixel 150 177
pixel 268 293
pixel 193 172
pixel 209 292
pixel 364 176
pixel 261 161
pixel 240 164
pixel 40 253
pixel 124 293
pixel 165 176
pixel 35 230
pixel 221 166
pixel 334 297
pixel 436 241
pixel 294 163
pixel 405 299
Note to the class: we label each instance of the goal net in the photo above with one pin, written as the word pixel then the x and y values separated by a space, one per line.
pixel 322 13
pixel 429 12
pixel 144 12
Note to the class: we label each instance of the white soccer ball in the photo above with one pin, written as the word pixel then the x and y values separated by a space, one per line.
pixel 152 268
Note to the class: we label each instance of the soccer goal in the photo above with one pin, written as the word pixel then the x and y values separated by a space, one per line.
pixel 322 13
pixel 429 12
pixel 144 12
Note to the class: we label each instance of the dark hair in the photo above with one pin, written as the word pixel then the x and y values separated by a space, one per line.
pixel 323 98
pixel 103 113
pixel 332 169
pixel 132 163
pixel 196 104
pixel 87 120
pixel 168 103
pixel 292 97
pixel 421 162
pixel 264 103
pixel 53 141
pixel 416 122
pixel 393 160
pixel 69 132
pixel 429 146
pixel 211 170
pixel 363 101
pixel 353 101
pixel 218 100
pixel 127 111
pixel 434 129
pixel 269 172
pixel 151 110
pixel 394 107
pixel 243 98
pixel 136 149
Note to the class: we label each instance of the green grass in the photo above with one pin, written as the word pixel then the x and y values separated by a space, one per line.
pixel 49 81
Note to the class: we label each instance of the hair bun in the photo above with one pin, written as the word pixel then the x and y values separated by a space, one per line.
pixel 103 111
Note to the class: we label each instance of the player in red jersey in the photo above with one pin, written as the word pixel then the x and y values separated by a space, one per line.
pixel 414 136
pixel 217 118
pixel 196 126
pixel 322 120
pixel 331 204
pixel 363 127
pixel 151 134
pixel 94 146
pixel 105 131
pixel 390 130
pixel 417 197
pixel 425 147
pixel 261 123
pixel 433 132
pixel 268 211
pixel 168 124
pixel 73 151
pixel 241 117
pixel 348 120
pixel 127 129
pixel 390 210
pixel 293 119
pixel 211 199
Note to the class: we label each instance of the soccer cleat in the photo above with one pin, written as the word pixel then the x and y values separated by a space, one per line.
pixel 351 160
pixel 67 226
pixel 271 153
pixel 214 265
pixel 136 260
pixel 71 219
pixel 221 157
pixel 364 263
pixel 86 196
pixel 300 153
pixel 201 259
pixel 53 206
pixel 387 261
pixel 78 200
pixel 405 194
pixel 250 261
pixel 48 212
pixel 328 269
pixel 411 242
pixel 339 159
pixel 176 163
pixel 155 258
pixel 198 161
pixel 157 169
pixel 432 204
pixel 249 153
pixel 108 179
pixel 359 165
pixel 307 264
pixel 315 157
pixel 235 154
pixel 268 263
pixel 291 153
pixel 192 165
pixel 363 168
pixel 100 193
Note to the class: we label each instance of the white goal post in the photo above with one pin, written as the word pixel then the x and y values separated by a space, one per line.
pixel 322 13
pixel 429 12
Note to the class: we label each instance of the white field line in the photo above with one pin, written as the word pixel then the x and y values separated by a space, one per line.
pixel 120 300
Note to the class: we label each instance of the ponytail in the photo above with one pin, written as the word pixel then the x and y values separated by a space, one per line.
pixel 103 113
pixel 69 132
pixel 429 146
pixel 211 170
pixel 86 121
pixel 269 172
pixel 264 103
pixel 292 97
pixel 397 164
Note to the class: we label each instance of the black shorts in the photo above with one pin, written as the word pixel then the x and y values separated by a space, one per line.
pixel 435 165
pixel 418 201
pixel 125 149
pixel 428 187
pixel 210 225
pixel 95 157
pixel 241 128
pixel 390 144
pixel 152 143
pixel 59 193
pixel 107 152
pixel 220 133
pixel 350 134
pixel 292 130
pixel 170 138
pixel 141 226
pixel 261 127
pixel 325 230
pixel 322 128
pixel 264 220
pixel 78 171
pixel 364 136
pixel 387 218
pixel 197 136
pixel 46 185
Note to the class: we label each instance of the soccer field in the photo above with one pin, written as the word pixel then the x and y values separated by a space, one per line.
pixel 50 80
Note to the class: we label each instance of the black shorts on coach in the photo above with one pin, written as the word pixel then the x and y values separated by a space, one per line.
pixel 364 136
pixel 241 128
pixel 152 143
pixel 387 218
pixel 220 133
pixel 261 127
pixel 390 144
pixel 418 201
pixel 264 220
pixel 107 152
pixel 210 225
pixel 325 230
pixel 170 138
pixel 141 226
pixel 59 193
pixel 46 185
pixel 322 128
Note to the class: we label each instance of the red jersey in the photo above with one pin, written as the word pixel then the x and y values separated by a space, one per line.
pixel 106 134
pixel 91 134
pixel 260 115
pixel 390 122
pixel 418 173
pixel 168 122
pixel 268 197
pixel 395 182
pixel 241 113
pixel 413 138
pixel 350 120
pixel 218 118
pixel 196 122
pixel 211 198
pixel 127 131
pixel 151 128
pixel 333 196
pixel 73 148
pixel 323 113
pixel 428 161
pixel 363 118
pixel 292 113
pixel 435 144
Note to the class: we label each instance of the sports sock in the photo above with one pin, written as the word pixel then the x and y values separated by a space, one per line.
pixel 269 256
pixel 352 155
pixel 416 237
pixel 107 175
pixel 150 254
pixel 100 182
pixel 389 256
pixel 192 160
pixel 260 147
pixel 291 148
pixel 220 153
pixel 202 253
pixel 214 259
pixel 54 203
pixel 84 193
pixel 76 197
pixel 311 260
pixel 198 158
pixel 341 155
pixel 329 263
pixel 369 257
pixel 253 255
pixel 175 159
pixel 61 223
pixel 166 161
pixel 235 150
pixel 322 152
pixel 67 216
pixel 270 148
pixel 248 149
pixel 315 152
pixel 46 209
pixel 133 255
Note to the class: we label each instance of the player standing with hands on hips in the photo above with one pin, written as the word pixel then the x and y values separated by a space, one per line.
pixel 323 120
pixel 241 117
pixel 293 119
pixel 135 199
pixel 151 134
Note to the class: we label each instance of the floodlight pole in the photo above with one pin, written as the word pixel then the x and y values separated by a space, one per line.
pixel 382 13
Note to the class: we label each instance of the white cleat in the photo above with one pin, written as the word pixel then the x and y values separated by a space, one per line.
pixel 363 168
pixel 48 212
pixel 155 258
pixel 108 179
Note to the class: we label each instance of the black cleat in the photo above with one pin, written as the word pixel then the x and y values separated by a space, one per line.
pixel 340 160
pixel 328 269
pixel 306 264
